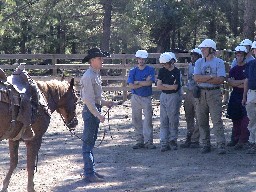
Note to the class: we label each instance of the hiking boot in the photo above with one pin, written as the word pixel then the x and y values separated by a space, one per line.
pixel 232 143
pixel 221 149
pixel 239 146
pixel 194 145
pixel 206 149
pixel 248 145
pixel 164 148
pixel 99 175
pixel 186 144
pixel 173 145
pixel 92 179
pixel 149 146
pixel 138 146
pixel 252 150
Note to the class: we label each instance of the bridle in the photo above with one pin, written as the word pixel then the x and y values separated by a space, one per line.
pixel 67 124
pixel 104 133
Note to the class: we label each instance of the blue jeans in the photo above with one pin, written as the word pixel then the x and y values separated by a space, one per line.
pixel 91 126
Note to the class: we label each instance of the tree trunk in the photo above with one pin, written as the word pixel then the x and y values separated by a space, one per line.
pixel 235 18
pixel 23 41
pixel 107 7
pixel 61 36
pixel 249 19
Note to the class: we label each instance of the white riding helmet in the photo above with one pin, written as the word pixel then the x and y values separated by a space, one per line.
pixel 165 58
pixel 141 54
pixel 208 43
pixel 246 42
pixel 241 48
pixel 253 45
pixel 196 50
pixel 172 55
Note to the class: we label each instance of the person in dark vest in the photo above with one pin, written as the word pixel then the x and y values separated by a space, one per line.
pixel 192 139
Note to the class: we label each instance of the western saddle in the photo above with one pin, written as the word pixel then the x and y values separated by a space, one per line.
pixel 20 90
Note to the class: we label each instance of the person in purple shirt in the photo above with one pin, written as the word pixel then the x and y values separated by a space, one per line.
pixel 248 57
pixel 236 111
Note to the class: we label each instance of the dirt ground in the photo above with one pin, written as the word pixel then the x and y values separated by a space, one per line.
pixel 127 170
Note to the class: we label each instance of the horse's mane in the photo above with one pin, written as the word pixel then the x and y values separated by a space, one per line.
pixel 53 86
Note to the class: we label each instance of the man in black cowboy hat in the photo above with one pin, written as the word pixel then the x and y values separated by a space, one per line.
pixel 91 95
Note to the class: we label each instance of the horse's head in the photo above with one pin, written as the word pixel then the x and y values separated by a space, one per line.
pixel 66 106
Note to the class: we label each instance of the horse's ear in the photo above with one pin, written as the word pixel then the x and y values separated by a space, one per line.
pixel 72 82
pixel 63 77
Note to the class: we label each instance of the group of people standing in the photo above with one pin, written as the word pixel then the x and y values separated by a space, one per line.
pixel 206 73
pixel 202 101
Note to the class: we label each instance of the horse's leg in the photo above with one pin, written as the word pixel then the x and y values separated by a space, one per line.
pixel 13 148
pixel 33 147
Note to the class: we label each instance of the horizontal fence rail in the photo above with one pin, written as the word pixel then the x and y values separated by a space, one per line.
pixel 71 65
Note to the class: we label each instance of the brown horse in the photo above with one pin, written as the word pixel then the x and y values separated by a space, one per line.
pixel 59 96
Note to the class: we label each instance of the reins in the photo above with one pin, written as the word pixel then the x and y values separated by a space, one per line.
pixel 104 133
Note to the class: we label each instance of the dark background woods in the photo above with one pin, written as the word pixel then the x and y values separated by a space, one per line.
pixel 122 26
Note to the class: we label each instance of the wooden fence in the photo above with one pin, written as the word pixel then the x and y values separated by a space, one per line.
pixel 71 65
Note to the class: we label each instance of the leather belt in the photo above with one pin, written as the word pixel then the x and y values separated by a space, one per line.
pixel 209 88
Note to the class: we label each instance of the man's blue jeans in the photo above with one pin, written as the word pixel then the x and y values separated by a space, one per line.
pixel 91 126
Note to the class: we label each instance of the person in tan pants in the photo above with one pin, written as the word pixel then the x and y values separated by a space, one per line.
pixel 192 139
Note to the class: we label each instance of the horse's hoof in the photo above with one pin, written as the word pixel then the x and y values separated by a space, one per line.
pixel 4 190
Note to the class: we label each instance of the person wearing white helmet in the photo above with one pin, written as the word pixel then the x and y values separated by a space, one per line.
pixel 236 111
pixel 249 99
pixel 140 81
pixel 209 73
pixel 248 44
pixel 168 82
pixel 173 55
pixel 192 139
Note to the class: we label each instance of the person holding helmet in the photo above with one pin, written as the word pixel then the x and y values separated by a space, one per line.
pixel 209 73
pixel 140 81
pixel 249 100
pixel 236 111
pixel 168 82
pixel 192 139
pixel 248 44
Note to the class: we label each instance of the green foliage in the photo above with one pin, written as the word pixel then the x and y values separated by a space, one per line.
pixel 73 26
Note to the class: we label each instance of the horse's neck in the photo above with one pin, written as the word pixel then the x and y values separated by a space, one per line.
pixel 52 101
pixel 50 95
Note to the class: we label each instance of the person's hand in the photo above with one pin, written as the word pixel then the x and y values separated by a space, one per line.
pixel 244 102
pixel 101 118
pixel 148 78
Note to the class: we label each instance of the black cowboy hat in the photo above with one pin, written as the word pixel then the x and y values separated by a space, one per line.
pixel 95 52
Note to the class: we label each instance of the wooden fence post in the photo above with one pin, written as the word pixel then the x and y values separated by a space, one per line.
pixel 54 62
pixel 124 82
